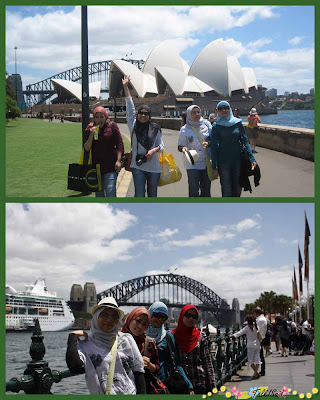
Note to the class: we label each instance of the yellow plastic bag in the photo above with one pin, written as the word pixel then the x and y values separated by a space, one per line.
pixel 170 172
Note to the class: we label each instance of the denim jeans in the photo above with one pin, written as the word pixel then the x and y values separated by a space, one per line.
pixel 109 185
pixel 199 183
pixel 229 179
pixel 141 178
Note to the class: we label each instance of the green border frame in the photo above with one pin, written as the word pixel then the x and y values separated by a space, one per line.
pixel 4 199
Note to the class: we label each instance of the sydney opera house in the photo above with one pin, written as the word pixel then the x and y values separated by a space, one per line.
pixel 212 72
pixel 169 85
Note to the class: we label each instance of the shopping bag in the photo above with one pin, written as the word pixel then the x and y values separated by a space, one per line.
pixel 126 161
pixel 170 172
pixel 85 178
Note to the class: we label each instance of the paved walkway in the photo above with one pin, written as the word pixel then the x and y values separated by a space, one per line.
pixel 294 372
pixel 282 175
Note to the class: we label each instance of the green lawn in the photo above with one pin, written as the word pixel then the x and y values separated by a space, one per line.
pixel 38 154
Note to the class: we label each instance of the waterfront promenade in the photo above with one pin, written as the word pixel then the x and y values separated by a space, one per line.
pixel 282 175
pixel 294 372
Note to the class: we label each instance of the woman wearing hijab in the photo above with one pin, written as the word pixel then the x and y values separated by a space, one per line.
pixel 195 128
pixel 194 351
pixel 156 330
pixel 226 137
pixel 146 142
pixel 94 353
pixel 104 138
pixel 136 324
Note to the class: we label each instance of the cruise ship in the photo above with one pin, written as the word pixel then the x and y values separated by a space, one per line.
pixel 23 308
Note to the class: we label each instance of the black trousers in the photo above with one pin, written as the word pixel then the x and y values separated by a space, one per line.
pixel 263 361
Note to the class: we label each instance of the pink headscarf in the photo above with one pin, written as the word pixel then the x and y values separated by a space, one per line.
pixel 103 111
pixel 134 315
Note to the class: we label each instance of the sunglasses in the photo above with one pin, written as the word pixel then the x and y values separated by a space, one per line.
pixel 143 113
pixel 223 108
pixel 160 316
pixel 189 315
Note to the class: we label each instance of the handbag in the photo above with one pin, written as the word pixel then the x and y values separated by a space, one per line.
pixel 170 171
pixel 175 381
pixel 112 365
pixel 259 335
pixel 208 160
pixel 154 385
pixel 85 178
pixel 126 161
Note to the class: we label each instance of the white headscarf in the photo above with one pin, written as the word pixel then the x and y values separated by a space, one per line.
pixel 100 338
pixel 190 121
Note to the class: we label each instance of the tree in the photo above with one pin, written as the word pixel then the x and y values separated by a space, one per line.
pixel 266 301
pixel 12 110
pixel 282 304
pixel 249 308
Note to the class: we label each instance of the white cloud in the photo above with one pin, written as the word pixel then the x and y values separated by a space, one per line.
pixel 167 233
pixel 64 242
pixel 51 41
pixel 246 224
pixel 284 241
pixel 296 40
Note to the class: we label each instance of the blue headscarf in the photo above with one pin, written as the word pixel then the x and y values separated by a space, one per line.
pixel 230 120
pixel 157 334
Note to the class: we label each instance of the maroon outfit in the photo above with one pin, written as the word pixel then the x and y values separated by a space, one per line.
pixel 104 150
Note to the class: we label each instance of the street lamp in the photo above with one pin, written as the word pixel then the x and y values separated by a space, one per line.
pixel 15 67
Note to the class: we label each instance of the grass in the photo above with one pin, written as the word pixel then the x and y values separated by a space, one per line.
pixel 38 154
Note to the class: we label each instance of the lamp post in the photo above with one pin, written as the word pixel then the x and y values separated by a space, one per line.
pixel 15 68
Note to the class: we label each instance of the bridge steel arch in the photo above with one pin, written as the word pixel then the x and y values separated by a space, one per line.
pixel 126 290
pixel 39 92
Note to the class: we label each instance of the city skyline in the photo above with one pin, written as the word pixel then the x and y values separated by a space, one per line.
pixel 282 57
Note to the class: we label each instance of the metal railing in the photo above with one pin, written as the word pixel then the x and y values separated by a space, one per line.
pixel 228 356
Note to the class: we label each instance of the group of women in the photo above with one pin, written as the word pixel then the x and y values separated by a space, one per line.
pixel 141 357
pixel 218 147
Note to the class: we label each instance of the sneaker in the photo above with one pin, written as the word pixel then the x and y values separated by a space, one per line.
pixel 254 151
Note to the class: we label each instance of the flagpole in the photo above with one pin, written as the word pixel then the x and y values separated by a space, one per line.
pixel 308 310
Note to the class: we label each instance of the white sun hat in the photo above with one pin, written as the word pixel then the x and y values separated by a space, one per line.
pixel 108 302
pixel 192 156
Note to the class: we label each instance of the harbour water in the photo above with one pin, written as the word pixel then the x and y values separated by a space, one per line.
pixel 298 118
pixel 17 358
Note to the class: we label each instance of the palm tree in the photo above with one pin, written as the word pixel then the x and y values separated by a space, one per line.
pixel 266 301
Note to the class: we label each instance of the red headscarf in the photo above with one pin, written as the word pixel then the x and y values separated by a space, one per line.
pixel 187 338
pixel 103 111
pixel 134 315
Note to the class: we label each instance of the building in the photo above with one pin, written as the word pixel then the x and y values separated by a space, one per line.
pixel 312 92
pixel 83 299
pixel 69 91
pixel 16 84
pixel 272 92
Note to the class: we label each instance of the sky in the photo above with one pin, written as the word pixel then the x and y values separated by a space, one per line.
pixel 239 250
pixel 276 41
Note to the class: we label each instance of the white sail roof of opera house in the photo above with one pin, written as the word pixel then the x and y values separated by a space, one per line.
pixel 212 70
pixel 74 89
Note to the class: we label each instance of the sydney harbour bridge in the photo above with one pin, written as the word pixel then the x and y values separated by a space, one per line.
pixel 174 290
pixel 40 92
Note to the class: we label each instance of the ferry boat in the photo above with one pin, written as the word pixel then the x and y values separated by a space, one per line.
pixel 23 308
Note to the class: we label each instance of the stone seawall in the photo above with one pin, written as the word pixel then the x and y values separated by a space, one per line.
pixel 298 142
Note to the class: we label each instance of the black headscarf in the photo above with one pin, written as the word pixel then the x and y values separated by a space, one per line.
pixel 146 132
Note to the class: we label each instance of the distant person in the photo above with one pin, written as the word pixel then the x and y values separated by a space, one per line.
pixel 183 118
pixel 192 136
pixel 252 128
pixel 236 113
pixel 262 326
pixel 62 118
pixel 94 354
pixel 226 150
pixel 284 333
pixel 213 116
pixel 253 344
pixel 104 138
pixel 146 142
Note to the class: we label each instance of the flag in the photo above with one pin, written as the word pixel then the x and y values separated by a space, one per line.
pixel 306 248
pixel 296 297
pixel 300 271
